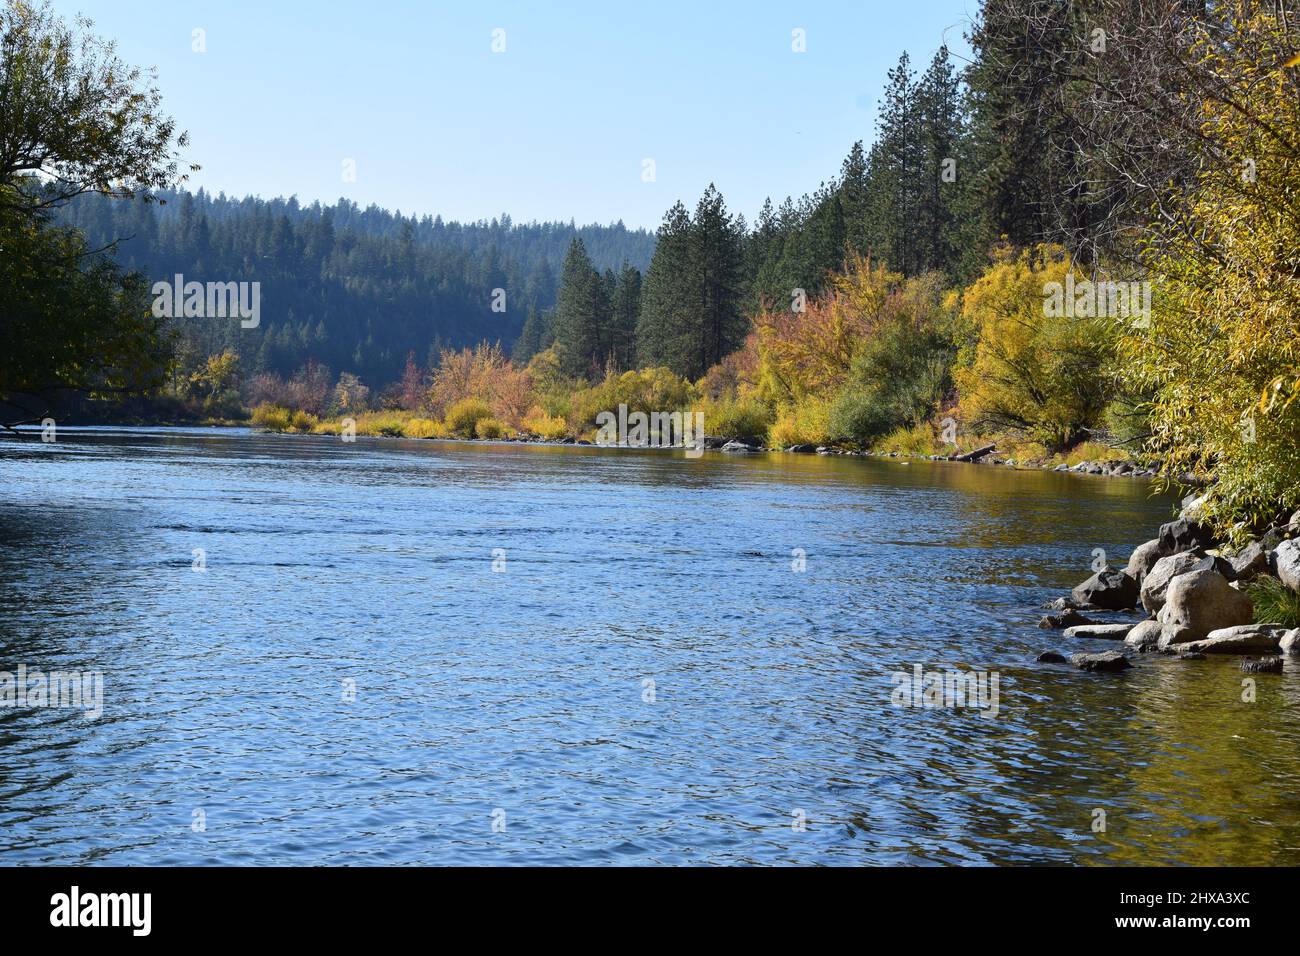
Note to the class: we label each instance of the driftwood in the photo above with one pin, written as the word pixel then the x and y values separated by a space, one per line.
pixel 975 455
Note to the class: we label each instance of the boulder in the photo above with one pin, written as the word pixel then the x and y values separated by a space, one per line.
pixel 1143 559
pixel 805 449
pixel 1184 534
pixel 1250 561
pixel 1062 604
pixel 1203 601
pixel 1290 642
pixel 738 446
pixel 1212 562
pixel 1262 665
pixel 1156 581
pixel 1109 589
pixel 1172 638
pixel 1247 639
pixel 1109 632
pixel 1105 661
pixel 1145 636
pixel 1070 618
pixel 1286 563
pixel 1051 657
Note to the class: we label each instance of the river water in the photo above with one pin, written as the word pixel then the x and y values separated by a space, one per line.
pixel 316 652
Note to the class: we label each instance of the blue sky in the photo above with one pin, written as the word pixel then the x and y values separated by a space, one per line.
pixel 557 126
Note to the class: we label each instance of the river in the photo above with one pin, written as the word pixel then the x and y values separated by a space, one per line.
pixel 387 651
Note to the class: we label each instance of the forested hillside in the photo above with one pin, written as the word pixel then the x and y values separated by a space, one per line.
pixel 354 289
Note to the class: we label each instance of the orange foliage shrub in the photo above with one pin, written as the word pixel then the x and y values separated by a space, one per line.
pixel 484 373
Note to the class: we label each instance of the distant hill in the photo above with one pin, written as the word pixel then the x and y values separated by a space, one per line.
pixel 356 289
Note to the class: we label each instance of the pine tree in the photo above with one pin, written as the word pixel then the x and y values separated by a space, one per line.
pixel 581 314
pixel 691 314
pixel 897 174
pixel 941 130
pixel 717 274
pixel 662 333
pixel 625 312
pixel 529 342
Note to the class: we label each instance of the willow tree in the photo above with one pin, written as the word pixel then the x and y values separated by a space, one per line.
pixel 1223 347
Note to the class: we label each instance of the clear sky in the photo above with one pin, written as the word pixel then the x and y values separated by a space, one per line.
pixel 556 127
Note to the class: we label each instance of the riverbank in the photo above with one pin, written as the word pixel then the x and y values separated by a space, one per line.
pixel 1199 596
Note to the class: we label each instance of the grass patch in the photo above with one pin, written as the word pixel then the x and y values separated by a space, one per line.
pixel 1275 603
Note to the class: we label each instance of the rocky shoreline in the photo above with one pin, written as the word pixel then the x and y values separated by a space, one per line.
pixel 1111 468
pixel 1193 593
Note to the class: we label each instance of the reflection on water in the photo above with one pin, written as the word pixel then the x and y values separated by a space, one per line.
pixel 528 690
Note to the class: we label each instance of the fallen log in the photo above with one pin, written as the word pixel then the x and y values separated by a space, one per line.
pixel 975 455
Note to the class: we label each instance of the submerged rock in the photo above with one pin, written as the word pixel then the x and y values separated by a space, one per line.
pixel 1051 657
pixel 1262 665
pixel 1105 661
pixel 1063 604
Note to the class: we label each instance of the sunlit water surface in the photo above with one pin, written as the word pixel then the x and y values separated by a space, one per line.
pixel 646 679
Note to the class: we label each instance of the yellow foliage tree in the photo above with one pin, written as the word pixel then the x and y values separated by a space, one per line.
pixel 1222 350
pixel 1038 366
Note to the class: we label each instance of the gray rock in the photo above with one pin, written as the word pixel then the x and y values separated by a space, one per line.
pixel 1105 661
pixel 738 447
pixel 1204 601
pixel 805 449
pixel 1247 639
pixel 1070 618
pixel 1145 636
pixel 1290 642
pixel 1286 564
pixel 1156 582
pixel 1212 562
pixel 1193 656
pixel 1185 535
pixel 1143 559
pixel 1051 657
pixel 1172 638
pixel 1109 589
pixel 1063 604
pixel 1263 665
pixel 1250 561
pixel 1108 632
